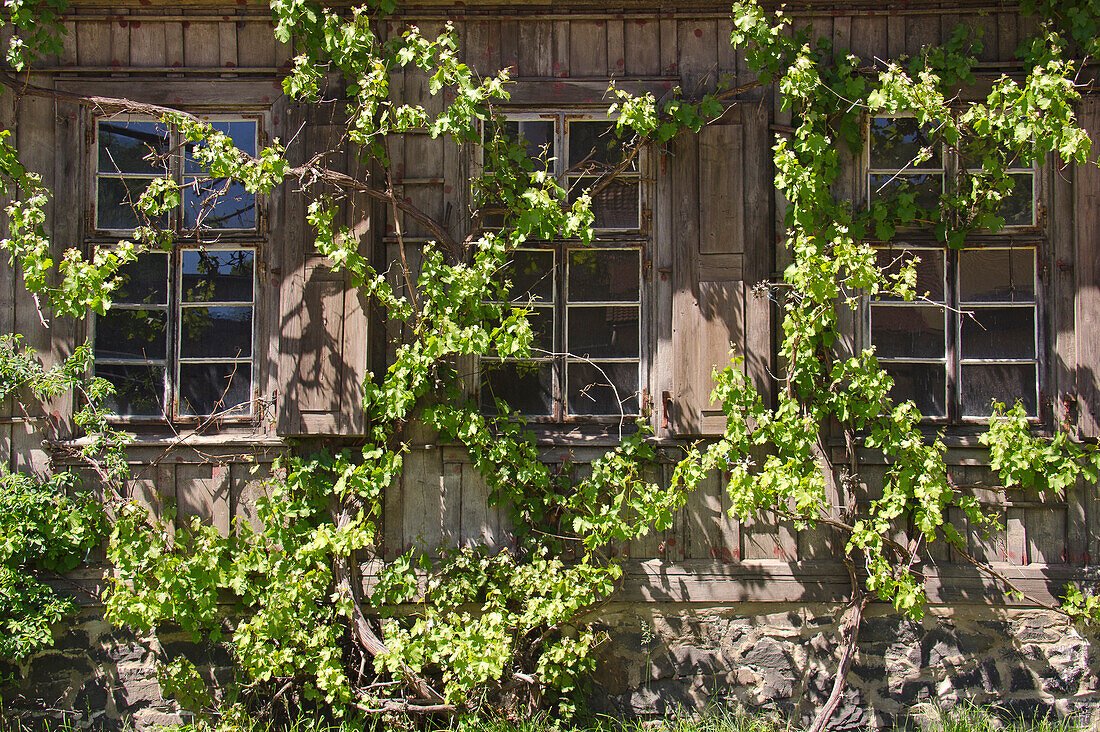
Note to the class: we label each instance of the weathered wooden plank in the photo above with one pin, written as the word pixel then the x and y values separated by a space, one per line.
pixel 1006 36
pixel 616 47
pixel 120 40
pixel 255 45
pixel 642 47
pixel 8 121
pixel 450 502
pixel 248 484
pixel 1046 534
pixel 479 521
pixel 720 153
pixel 670 54
pixel 203 491
pixel 921 31
pixel 560 56
pixel 227 44
pixel 483 47
pixel 69 126
pixel 68 55
pixel 588 48
pixel 216 94
pixel 1086 207
pixel 869 36
pixel 173 44
pixel 201 45
pixel 509 46
pixel 726 54
pixel 698 47
pixel 421 483
pixel 895 36
pixel 93 43
pixel 758 240
pixel 842 33
pixel 147 44
pixel 536 48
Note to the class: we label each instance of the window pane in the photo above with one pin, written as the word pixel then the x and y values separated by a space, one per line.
pixel 145 280
pixel 603 332
pixel 131 334
pixel 531 273
pixel 896 142
pixel 596 145
pixel 589 391
pixel 1017 207
pixel 217 276
pixel 996 275
pixel 604 275
pixel 923 384
pixel 224 332
pixel 208 388
pixel 124 145
pixel 998 333
pixel 899 331
pixel 527 386
pixel 116 203
pixel 242 132
pixel 926 187
pixel 541 321
pixel 615 207
pixel 536 135
pixel 1005 383
pixel 218 204
pixel 930 275
pixel 139 390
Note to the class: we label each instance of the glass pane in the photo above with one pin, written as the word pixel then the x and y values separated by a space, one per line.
pixel 929 266
pixel 603 332
pixel 1017 208
pixel 604 275
pixel 596 146
pixel 218 204
pixel 217 332
pixel 132 334
pixel 589 390
pixel 998 333
pixel 145 280
pixel 542 325
pixel 139 390
pixel 1005 383
pixel 923 384
pixel 209 388
pixel 927 188
pixel 896 142
pixel 242 132
pixel 536 135
pixel 615 207
pixel 526 386
pixel 531 273
pixel 907 332
pixel 217 275
pixel 125 144
pixel 996 275
pixel 116 203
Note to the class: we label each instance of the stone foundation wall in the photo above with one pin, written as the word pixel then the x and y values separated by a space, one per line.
pixel 661 659
pixel 664 658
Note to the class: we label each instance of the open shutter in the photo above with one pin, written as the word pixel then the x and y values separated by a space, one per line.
pixel 322 320
pixel 721 218
pixel 1086 210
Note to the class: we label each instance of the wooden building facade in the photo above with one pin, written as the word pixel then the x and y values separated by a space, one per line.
pixel 705 229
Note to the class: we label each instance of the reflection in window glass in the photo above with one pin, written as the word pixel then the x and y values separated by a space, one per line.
pixel 602 388
pixel 928 264
pixel 997 275
pixel 604 275
pixel 595 146
pixel 525 386
pixel 211 275
pixel 923 384
pixel 215 388
pixel 897 142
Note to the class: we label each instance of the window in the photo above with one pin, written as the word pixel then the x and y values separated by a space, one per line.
pixel 584 301
pixel 579 150
pixel 585 307
pixel 178 341
pixel 902 155
pixel 972 339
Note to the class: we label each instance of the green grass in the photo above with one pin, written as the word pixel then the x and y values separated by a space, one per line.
pixel 963 717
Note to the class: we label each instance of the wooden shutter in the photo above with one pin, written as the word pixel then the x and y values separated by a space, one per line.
pixel 721 214
pixel 1086 211
pixel 322 323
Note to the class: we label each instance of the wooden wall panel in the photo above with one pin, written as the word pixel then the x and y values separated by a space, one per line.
pixel 201 44
pixel 588 48
pixel 147 44
pixel 642 46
